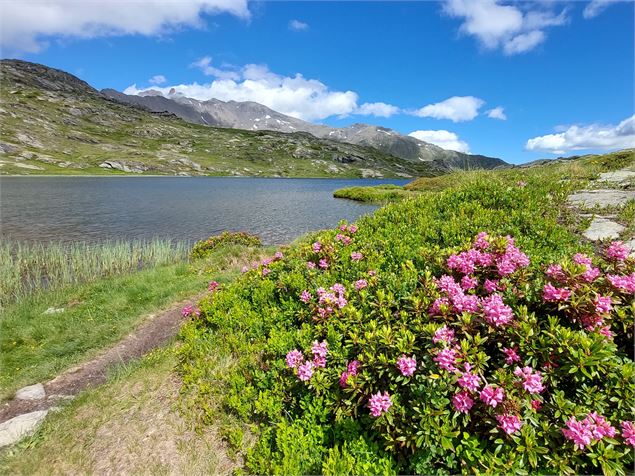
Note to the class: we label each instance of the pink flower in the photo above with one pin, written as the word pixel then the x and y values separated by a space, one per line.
pixel 353 367
pixel 468 282
pixel 623 283
pixel 482 241
pixel 628 432
pixel 379 403
pixel 342 227
pixel 468 380
pixel 372 273
pixel 599 426
pixel 617 251
pixel 581 258
pixel 265 271
pixel 490 286
pixel 352 229
pixel 462 402
pixel 278 255
pixel 497 313
pixel 319 350
pixel 346 240
pixel 339 237
pixel 213 285
pixel 356 256
pixel 324 264
pixel 266 261
pixel 294 358
pixel 443 334
pixel 555 272
pixel 578 432
pixel 310 265
pixel 591 274
pixel 344 379
pixel 189 311
pixel 446 359
pixel 511 355
pixel 536 405
pixel 306 296
pixel 532 381
pixel 317 246
pixel 305 371
pixel 407 365
pixel 492 396
pixel 244 269
pixel 603 304
pixel 361 284
pixel 552 294
pixel 509 423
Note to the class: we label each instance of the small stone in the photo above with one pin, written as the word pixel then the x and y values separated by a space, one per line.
pixel 601 198
pixel 602 229
pixel 54 310
pixel 13 430
pixel 32 392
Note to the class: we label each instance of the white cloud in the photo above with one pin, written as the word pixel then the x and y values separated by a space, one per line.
pixel 205 65
pixel 444 139
pixel 296 96
pixel 378 109
pixel 504 26
pixel 594 136
pixel 595 7
pixel 158 79
pixel 26 26
pixel 297 25
pixel 456 108
pixel 497 113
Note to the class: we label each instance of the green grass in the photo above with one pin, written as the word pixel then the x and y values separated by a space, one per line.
pixel 35 346
pixel 374 194
pixel 30 268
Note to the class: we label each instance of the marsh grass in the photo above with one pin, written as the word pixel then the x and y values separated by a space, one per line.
pixel 27 268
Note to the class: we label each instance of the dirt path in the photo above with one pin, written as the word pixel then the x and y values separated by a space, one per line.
pixel 155 330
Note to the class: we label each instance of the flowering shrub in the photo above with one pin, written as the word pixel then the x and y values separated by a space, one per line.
pixel 203 248
pixel 405 346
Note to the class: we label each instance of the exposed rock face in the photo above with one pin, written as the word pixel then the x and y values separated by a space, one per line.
pixel 253 116
pixel 135 168
pixel 603 229
pixel 601 198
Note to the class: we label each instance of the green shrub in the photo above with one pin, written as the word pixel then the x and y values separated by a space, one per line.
pixel 358 299
pixel 204 248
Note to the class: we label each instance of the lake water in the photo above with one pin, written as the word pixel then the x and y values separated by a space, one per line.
pixel 183 208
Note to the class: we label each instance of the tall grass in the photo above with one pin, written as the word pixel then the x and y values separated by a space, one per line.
pixel 29 268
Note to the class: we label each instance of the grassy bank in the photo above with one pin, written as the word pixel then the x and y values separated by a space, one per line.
pixel 375 194
pixel 82 319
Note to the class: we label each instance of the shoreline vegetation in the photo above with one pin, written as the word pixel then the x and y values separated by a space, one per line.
pixel 225 388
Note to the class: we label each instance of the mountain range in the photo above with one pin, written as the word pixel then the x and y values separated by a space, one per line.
pixel 55 123
pixel 250 115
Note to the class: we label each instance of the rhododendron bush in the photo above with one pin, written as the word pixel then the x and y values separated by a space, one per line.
pixel 361 351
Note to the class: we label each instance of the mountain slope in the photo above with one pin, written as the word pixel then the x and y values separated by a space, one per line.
pixel 254 116
pixel 54 123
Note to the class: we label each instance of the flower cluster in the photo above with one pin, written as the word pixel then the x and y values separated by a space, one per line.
pixel 585 293
pixel 593 428
pixel 190 311
pixel 532 381
pixel 351 370
pixel 379 403
pixel 407 365
pixel 305 368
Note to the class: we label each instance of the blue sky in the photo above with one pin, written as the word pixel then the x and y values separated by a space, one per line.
pixel 559 75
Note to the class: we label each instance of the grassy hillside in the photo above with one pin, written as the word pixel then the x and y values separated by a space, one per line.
pixel 370 295
pixel 53 123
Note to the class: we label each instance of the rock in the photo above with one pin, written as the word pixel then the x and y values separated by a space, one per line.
pixel 28 140
pixel 54 310
pixel 601 198
pixel 130 168
pixel 618 176
pixel 602 229
pixel 13 430
pixel 32 392
pixel 7 148
pixel 631 245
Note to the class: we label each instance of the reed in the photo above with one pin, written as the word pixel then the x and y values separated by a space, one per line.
pixel 27 268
